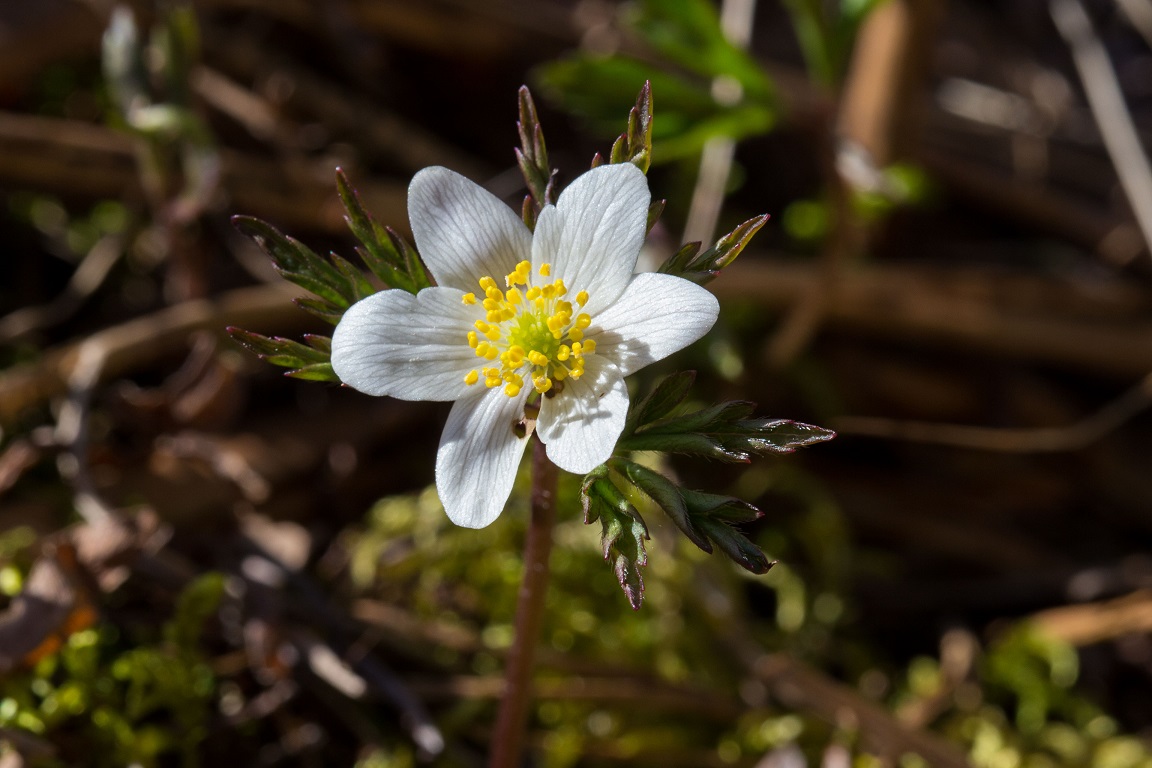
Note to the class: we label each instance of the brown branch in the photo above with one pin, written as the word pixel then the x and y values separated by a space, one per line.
pixel 1102 326
pixel 79 159
pixel 136 343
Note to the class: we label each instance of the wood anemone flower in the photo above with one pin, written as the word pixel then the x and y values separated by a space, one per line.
pixel 521 327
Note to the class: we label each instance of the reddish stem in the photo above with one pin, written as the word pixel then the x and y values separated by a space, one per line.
pixel 512 720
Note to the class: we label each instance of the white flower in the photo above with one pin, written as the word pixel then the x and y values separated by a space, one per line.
pixel 520 322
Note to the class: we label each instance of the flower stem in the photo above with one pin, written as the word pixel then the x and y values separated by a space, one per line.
pixel 512 720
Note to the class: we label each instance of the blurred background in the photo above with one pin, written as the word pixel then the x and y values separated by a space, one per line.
pixel 202 560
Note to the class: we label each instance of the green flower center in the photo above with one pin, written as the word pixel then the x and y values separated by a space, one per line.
pixel 530 330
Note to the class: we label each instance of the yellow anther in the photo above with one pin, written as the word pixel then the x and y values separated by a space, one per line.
pixel 468 298
pixel 536 358
pixel 561 289
pixel 492 382
pixel 542 384
pixel 583 320
pixel 545 270
pixel 481 326
pixel 582 298
pixel 560 373
pixel 532 294
pixel 473 339
pixel 492 334
pixel 471 378
pixel 516 354
pixel 588 347
pixel 490 304
pixel 511 390
pixel 514 296
pixel 575 334
pixel 563 353
pixel 487 283
pixel 494 316
pixel 492 353
pixel 577 348
pixel 482 348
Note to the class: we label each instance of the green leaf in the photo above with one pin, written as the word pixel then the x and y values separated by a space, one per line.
pixel 666 395
pixel 688 34
pixel 298 264
pixel 665 493
pixel 724 432
pixel 623 532
pixel 728 509
pixel 735 545
pixel 380 252
pixel 310 361
pixel 315 372
pixel 320 309
pixel 532 154
pixel 654 212
pixel 704 267
pixel 635 144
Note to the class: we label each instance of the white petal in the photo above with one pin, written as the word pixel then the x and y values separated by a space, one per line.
pixel 656 316
pixel 463 231
pixel 409 347
pixel 593 235
pixel 581 425
pixel 478 457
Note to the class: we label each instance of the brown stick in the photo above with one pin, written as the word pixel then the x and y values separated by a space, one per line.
pixel 1020 319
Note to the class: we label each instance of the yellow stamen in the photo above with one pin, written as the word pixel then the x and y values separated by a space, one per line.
pixel 472 378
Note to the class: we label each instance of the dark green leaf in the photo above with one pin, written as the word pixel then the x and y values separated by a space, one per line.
pixel 665 493
pixel 311 361
pixel 279 351
pixel 298 264
pixel 623 532
pixel 320 309
pixel 728 509
pixel 724 432
pixel 735 545
pixel 668 394
pixel 380 252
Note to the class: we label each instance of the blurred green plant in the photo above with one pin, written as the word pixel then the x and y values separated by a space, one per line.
pixel 106 702
pixel 685 53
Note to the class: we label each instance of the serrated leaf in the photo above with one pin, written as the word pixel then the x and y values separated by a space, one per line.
pixel 665 493
pixel 320 343
pixel 736 545
pixel 727 509
pixel 320 309
pixel 416 272
pixel 360 285
pixel 297 263
pixel 311 361
pixel 379 251
pixel 703 267
pixel 622 532
pixel 315 372
pixel 663 398
pixel 279 351
pixel 724 432
pixel 678 262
